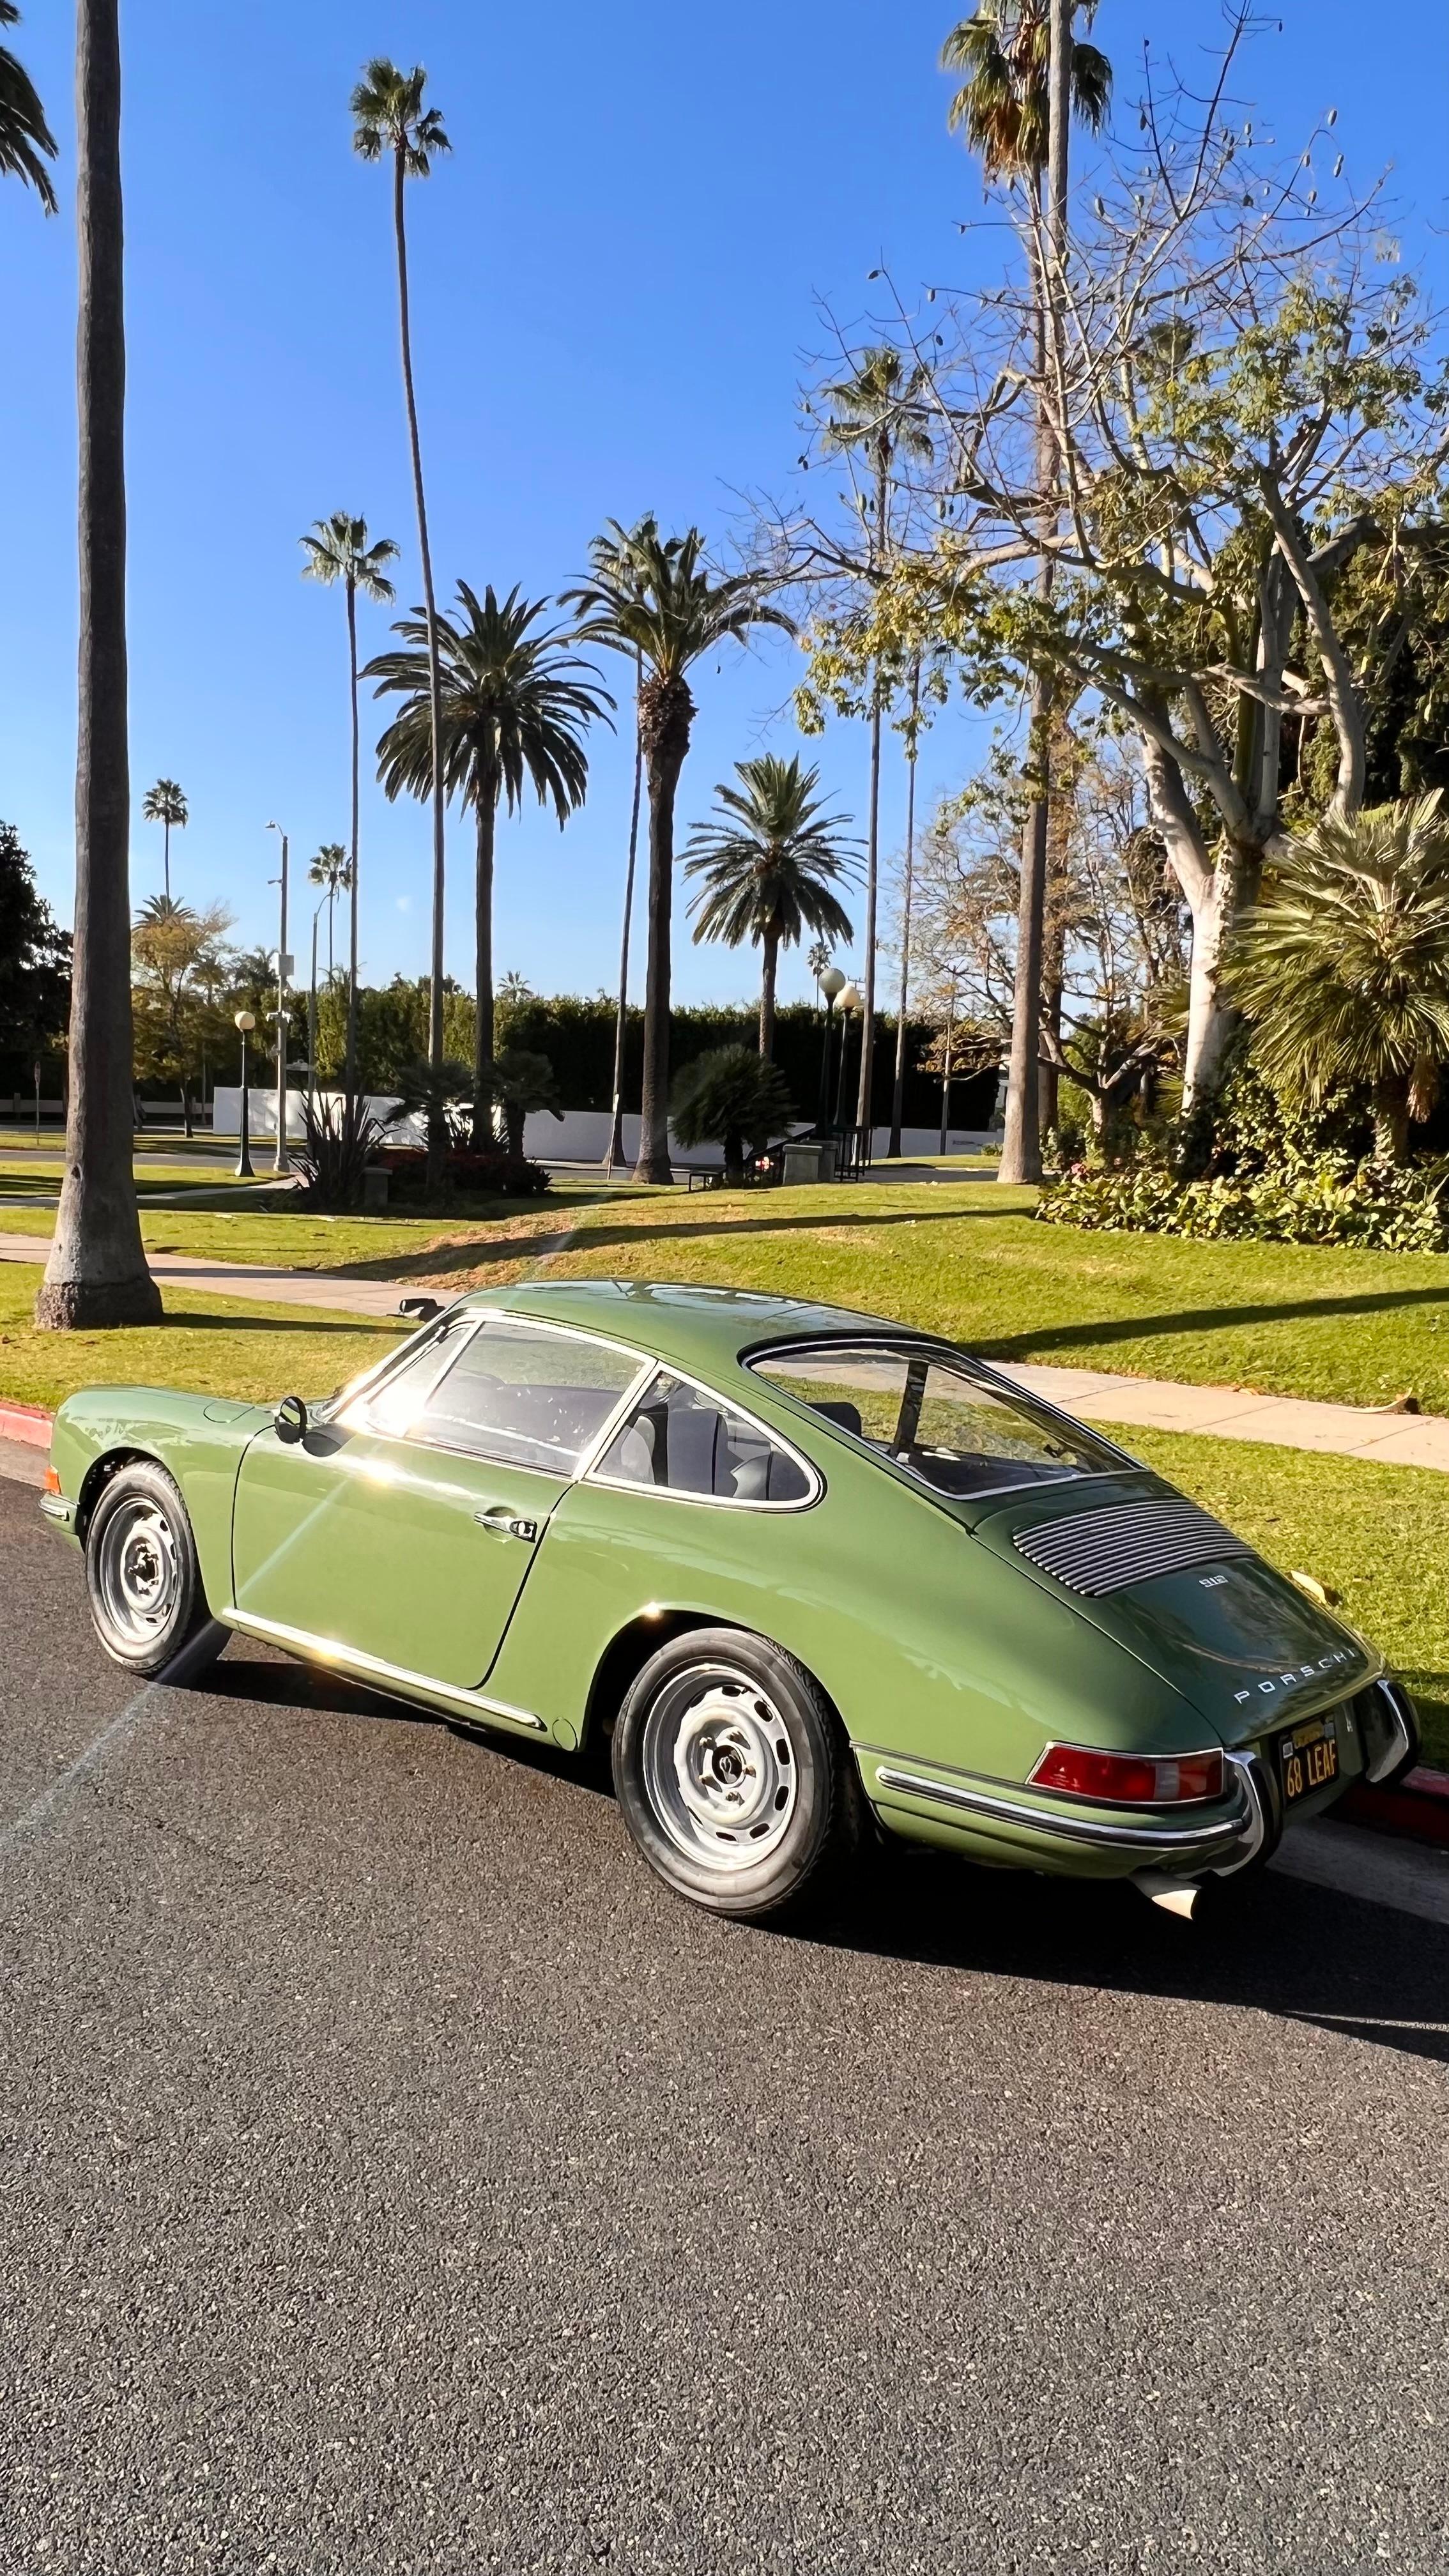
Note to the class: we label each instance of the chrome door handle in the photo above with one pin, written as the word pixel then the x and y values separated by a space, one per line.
pixel 506 1524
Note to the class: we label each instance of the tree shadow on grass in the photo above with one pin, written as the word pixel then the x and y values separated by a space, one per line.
pixel 282 1319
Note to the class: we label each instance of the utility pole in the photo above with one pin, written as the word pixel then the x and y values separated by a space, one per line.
pixel 1021 1143
pixel 280 1162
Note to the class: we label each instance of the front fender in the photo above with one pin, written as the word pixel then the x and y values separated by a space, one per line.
pixel 198 1439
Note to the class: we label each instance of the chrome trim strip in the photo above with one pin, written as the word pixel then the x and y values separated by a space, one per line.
pixel 1074 1829
pixel 325 1650
pixel 54 1507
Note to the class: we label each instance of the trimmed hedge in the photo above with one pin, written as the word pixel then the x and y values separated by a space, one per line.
pixel 1332 1201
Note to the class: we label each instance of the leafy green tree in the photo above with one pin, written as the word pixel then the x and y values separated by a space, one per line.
pixel 768 869
pixel 665 610
pixel 731 1097
pixel 26 141
pixel 97 1273
pixel 1343 968
pixel 515 708
pixel 165 803
pixel 34 960
pixel 390 120
pixel 339 549
pixel 176 965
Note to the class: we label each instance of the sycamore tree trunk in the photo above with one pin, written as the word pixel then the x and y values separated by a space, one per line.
pixel 97 1273
pixel 769 963
pixel 666 712
pixel 483 959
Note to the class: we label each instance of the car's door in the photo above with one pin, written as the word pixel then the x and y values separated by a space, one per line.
pixel 403 1530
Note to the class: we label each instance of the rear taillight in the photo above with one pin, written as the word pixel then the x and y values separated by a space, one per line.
pixel 1129 1779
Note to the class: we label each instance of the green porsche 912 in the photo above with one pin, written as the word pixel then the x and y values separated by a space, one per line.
pixel 811 1575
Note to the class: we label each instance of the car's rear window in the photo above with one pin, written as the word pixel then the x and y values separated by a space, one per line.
pixel 932 1414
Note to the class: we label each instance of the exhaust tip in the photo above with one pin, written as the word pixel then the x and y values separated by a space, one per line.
pixel 1174 1895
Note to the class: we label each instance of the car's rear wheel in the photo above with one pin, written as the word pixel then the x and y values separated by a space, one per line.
pixel 734 1774
pixel 142 1571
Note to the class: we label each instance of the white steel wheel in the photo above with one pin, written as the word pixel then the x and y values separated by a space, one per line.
pixel 141 1570
pixel 733 1773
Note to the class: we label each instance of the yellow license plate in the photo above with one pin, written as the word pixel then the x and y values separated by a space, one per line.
pixel 1307 1758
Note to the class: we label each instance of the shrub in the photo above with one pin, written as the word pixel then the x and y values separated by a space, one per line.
pixel 1382 1206
pixel 730 1097
pixel 338 1141
pixel 509 1176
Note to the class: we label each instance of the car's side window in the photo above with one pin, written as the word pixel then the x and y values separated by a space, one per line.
pixel 395 1405
pixel 684 1441
pixel 524 1396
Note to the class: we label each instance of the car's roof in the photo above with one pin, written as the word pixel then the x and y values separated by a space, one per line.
pixel 696 1327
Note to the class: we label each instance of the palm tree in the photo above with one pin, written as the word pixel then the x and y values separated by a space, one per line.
pixel 389 117
pixel 165 803
pixel 1344 965
pixel 769 866
pixel 332 870
pixel 514 705
pixel 665 609
pixel 1014 53
pixel 614 557
pixel 338 549
pixel 873 410
pixel 26 141
pixel 97 1273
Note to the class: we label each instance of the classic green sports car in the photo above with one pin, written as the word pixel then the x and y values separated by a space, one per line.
pixel 803 1569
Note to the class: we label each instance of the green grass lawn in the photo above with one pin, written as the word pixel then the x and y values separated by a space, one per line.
pixel 221 1345
pixel 1379 1536
pixel 476 1232
pixel 1354 1327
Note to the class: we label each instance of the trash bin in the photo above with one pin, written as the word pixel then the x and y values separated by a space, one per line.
pixel 374 1186
pixel 809 1160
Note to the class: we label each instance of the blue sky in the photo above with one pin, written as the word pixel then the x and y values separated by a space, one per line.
pixel 616 279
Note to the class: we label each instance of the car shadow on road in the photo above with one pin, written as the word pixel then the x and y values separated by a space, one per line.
pixel 1271 1944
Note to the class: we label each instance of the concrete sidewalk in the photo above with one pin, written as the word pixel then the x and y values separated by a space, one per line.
pixel 1096 1395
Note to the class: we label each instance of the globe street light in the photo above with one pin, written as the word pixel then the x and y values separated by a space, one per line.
pixel 849 1000
pixel 246 1022
pixel 831 981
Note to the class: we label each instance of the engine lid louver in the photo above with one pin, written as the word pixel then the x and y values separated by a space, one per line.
pixel 1105 1551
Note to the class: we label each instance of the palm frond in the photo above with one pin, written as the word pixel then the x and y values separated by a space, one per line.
pixel 26 141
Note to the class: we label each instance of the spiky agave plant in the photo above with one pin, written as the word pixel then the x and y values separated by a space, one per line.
pixel 1343 968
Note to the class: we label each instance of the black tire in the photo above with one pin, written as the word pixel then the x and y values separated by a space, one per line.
pixel 142 1573
pixel 734 1775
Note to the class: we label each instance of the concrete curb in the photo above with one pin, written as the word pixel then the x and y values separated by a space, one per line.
pixel 1417 1807
pixel 28 1422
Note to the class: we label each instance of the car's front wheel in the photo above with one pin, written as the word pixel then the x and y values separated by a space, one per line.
pixel 734 1774
pixel 142 1571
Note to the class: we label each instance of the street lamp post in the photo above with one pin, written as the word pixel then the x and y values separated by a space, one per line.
pixel 849 1001
pixel 284 967
pixel 246 1023
pixel 831 982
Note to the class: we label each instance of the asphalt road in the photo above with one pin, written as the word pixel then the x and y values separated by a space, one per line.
pixel 396 2178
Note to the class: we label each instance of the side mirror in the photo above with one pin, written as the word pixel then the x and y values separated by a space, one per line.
pixel 420 1310
pixel 290 1419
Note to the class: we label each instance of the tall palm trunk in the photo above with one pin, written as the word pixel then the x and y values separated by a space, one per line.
pixel 97 1273
pixel 770 947
pixel 898 1091
pixel 350 1076
pixel 872 829
pixel 1021 1142
pixel 616 1133
pixel 166 855
pixel 667 710
pixel 488 786
pixel 437 1143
